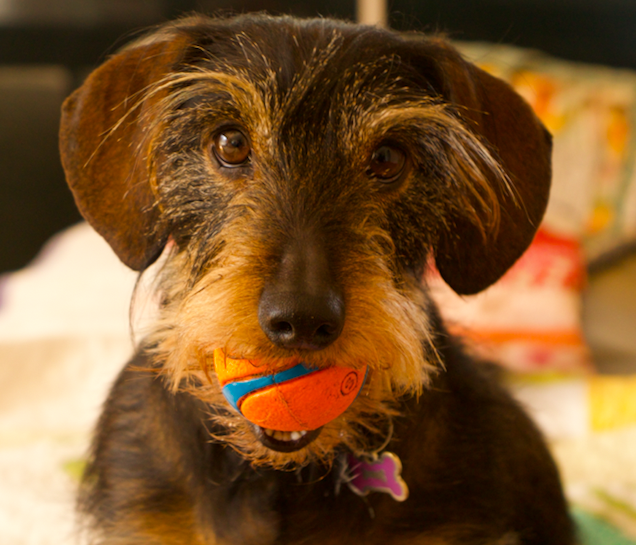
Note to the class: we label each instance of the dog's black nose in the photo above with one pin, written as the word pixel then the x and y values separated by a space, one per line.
pixel 299 320
pixel 301 306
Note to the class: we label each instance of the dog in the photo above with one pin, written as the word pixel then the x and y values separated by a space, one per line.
pixel 296 179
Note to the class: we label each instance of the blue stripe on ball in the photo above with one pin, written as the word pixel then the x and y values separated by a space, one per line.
pixel 234 391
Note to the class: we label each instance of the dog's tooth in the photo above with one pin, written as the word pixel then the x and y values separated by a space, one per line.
pixel 284 435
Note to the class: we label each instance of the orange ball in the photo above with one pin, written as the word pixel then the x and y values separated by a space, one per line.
pixel 293 398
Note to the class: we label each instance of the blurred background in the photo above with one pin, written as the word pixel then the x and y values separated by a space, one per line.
pixel 47 47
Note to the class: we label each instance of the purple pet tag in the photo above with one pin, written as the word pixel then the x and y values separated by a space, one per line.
pixel 380 475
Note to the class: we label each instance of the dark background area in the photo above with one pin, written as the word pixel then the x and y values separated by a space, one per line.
pixel 46 49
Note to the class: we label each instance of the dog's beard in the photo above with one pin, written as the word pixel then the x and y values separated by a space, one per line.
pixel 363 427
pixel 386 328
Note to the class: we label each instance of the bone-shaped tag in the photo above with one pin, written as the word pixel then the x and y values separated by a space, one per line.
pixel 381 475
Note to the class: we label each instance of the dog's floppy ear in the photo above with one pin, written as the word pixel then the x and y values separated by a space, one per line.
pixel 508 127
pixel 104 149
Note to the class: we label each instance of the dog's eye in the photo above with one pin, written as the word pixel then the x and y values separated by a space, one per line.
pixel 387 163
pixel 231 148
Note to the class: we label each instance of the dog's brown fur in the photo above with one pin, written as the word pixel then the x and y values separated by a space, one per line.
pixel 172 463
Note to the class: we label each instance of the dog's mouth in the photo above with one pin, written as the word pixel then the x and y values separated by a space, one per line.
pixel 287 406
pixel 285 441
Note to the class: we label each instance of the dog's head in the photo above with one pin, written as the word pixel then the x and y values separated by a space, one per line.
pixel 304 173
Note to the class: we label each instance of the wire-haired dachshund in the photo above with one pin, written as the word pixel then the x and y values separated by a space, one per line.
pixel 297 179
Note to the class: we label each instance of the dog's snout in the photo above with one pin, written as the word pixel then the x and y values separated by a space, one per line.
pixel 301 307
